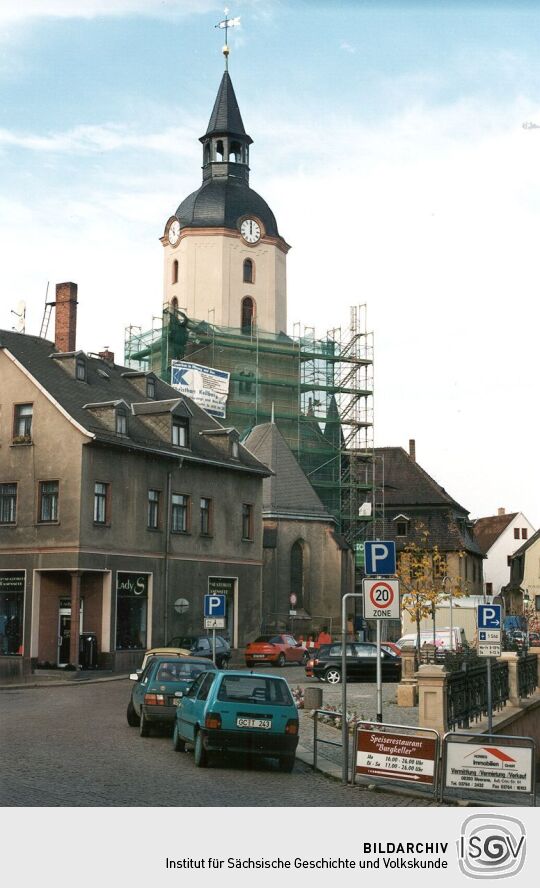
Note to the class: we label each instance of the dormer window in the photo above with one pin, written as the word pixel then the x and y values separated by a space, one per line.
pixel 150 387
pixel 80 369
pixel 121 422
pixel 180 432
pixel 234 449
pixel 401 523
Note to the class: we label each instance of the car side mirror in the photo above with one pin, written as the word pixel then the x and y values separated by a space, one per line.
pixel 135 676
pixel 178 693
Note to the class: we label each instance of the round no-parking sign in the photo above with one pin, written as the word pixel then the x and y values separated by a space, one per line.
pixel 381 599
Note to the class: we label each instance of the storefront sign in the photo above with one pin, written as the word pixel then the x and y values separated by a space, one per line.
pixel 399 756
pixel 207 386
pixel 12 581
pixel 132 584
pixel 489 767
pixel 221 585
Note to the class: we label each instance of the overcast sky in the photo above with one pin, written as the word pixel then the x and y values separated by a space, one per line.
pixel 388 140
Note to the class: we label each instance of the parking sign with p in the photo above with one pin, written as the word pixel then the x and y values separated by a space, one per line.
pixel 380 557
pixel 215 605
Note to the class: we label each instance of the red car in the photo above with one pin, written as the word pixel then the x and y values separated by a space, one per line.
pixel 276 649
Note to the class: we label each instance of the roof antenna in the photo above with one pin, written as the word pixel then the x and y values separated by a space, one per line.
pixel 225 25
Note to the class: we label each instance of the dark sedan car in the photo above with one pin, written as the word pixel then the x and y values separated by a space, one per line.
pixel 361 663
pixel 201 646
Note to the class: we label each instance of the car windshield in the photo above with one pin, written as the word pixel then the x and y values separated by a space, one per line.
pixel 269 639
pixel 182 641
pixel 254 689
pixel 179 670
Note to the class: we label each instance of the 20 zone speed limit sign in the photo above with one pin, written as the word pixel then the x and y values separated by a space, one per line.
pixel 381 599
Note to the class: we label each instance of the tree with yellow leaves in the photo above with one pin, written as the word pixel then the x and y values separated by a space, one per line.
pixel 422 571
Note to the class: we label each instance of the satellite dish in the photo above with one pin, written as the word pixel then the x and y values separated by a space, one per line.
pixel 20 314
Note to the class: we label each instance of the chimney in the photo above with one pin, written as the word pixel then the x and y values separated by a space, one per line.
pixel 500 510
pixel 65 328
pixel 412 449
pixel 107 356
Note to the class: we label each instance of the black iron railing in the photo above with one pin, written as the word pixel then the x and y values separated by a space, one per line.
pixel 527 675
pixel 467 691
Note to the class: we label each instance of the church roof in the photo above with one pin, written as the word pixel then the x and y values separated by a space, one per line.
pixel 287 491
pixel 225 116
pixel 220 203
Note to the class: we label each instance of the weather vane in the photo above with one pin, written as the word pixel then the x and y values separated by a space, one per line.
pixel 225 25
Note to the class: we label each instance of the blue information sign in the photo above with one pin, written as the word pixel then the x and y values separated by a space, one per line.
pixel 489 616
pixel 380 557
pixel 215 605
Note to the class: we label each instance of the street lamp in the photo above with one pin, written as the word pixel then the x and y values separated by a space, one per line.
pixel 444 580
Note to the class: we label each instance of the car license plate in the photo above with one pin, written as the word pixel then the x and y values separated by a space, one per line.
pixel 259 656
pixel 263 723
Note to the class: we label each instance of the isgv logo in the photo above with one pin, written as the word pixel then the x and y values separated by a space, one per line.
pixel 491 846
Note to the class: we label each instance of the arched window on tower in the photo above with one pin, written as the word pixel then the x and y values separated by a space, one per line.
pixel 247 322
pixel 297 573
pixel 174 275
pixel 220 154
pixel 235 152
pixel 207 153
pixel 248 271
pixel 174 306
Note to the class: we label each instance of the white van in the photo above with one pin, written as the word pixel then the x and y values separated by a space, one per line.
pixel 442 638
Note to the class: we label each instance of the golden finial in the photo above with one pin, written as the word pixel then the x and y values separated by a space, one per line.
pixel 225 25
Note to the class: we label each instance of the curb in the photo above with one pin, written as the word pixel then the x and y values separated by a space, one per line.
pixel 54 683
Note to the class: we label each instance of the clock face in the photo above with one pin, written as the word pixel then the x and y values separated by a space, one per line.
pixel 174 232
pixel 250 231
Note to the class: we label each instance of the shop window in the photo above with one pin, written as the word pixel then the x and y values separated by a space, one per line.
pixel 22 425
pixel 247 521
pixel 206 516
pixel 101 503
pixel 11 612
pixel 248 271
pixel 153 509
pixel 180 513
pixel 180 432
pixel 48 501
pixel 8 503
pixel 131 611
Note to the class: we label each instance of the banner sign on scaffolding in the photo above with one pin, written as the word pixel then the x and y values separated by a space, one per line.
pixel 206 386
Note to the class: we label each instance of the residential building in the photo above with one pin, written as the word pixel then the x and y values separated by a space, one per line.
pixel 499 536
pixel 120 502
pixel 524 585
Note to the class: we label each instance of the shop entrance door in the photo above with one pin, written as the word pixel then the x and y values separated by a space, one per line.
pixel 64 631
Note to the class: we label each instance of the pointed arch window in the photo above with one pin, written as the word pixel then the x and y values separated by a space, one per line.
pixel 297 573
pixel 247 322
pixel 174 274
pixel 174 305
pixel 249 270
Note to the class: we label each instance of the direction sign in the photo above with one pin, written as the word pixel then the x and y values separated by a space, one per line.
pixel 399 756
pixel 489 616
pixel 381 599
pixel 215 605
pixel 380 557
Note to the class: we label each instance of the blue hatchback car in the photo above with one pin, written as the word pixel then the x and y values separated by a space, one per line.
pixel 238 712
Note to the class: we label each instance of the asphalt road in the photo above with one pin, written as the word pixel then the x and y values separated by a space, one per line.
pixel 72 746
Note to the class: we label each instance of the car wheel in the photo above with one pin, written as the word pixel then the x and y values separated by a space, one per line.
pixel 332 676
pixel 286 763
pixel 179 745
pixel 281 660
pixel 133 719
pixel 200 754
pixel 144 726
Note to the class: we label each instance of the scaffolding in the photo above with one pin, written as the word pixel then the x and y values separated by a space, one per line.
pixel 319 392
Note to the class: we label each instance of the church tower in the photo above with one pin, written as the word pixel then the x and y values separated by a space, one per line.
pixel 224 259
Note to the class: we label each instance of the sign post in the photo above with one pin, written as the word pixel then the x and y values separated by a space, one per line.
pixel 215 606
pixel 381 602
pixel 344 725
pixel 489 645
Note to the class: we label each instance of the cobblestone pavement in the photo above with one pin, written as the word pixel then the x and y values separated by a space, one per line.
pixel 72 746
